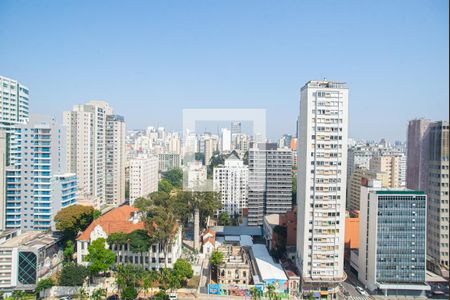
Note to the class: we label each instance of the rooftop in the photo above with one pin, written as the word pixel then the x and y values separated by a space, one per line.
pixel 119 219
pixel 325 84
pixel 237 230
pixel 32 239
pixel 268 268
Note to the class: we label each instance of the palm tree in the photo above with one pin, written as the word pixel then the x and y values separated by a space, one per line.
pixel 270 291
pixel 161 226
pixel 256 294
pixel 149 280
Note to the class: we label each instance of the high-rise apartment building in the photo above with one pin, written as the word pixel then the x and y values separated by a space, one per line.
pixel 115 160
pixel 360 177
pixel 143 176
pixel 358 156
pixel 3 144
pixel 231 181
pixel 236 127
pixel 225 140
pixel 168 161
pixel 322 159
pixel 270 181
pixel 210 144
pixel 392 252
pixel 37 184
pixel 390 165
pixel 438 197
pixel 14 108
pixel 95 144
pixel 194 176
pixel 418 151
pixel 428 170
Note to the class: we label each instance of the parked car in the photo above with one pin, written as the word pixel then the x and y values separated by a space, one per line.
pixel 173 296
pixel 362 291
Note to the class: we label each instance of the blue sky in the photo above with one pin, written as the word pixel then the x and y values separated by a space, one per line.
pixel 151 59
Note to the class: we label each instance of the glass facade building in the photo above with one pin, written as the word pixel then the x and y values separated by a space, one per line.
pixel 392 250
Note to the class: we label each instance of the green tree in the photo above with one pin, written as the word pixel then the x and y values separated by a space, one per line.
pixel 43 284
pixel 117 238
pixel 18 295
pixel 162 226
pixel 270 291
pixel 161 295
pixel 224 219
pixel 164 185
pixel 142 203
pixel 139 241
pixel 96 214
pixel 183 270
pixel 294 189
pixel 99 257
pixel 73 219
pixel 175 177
pixel 73 275
pixel 69 250
pixel 129 280
pixel 98 294
pixel 216 258
pixel 168 280
pixel 256 294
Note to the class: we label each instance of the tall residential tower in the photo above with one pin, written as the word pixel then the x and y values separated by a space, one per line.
pixel 322 158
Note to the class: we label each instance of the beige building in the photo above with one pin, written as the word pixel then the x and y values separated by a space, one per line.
pixel 95 150
pixel 235 267
pixel 389 165
pixel 359 177
pixel 143 177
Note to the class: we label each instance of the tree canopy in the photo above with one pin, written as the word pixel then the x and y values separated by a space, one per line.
pixel 183 269
pixel 174 177
pixel 99 257
pixel 216 258
pixel 73 219
pixel 73 275
pixel 224 219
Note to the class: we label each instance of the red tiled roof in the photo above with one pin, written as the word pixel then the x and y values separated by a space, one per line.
pixel 211 240
pixel 116 220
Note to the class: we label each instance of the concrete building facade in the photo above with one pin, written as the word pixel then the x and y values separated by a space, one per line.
pixel 322 159
pixel 231 181
pixel 95 150
pixel 143 177
pixel 270 181
pixel 37 184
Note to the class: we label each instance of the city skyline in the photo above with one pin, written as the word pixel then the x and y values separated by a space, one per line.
pixel 257 60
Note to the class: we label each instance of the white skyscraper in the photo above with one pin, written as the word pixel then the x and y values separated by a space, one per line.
pixel 225 141
pixel 143 177
pixel 322 158
pixel 94 149
pixel 231 181
pixel 196 175
pixel 14 107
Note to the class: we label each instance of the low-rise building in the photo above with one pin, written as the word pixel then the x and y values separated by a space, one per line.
pixel 235 267
pixel 27 258
pixel 126 219
pixel 351 232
